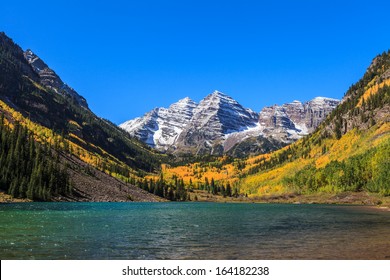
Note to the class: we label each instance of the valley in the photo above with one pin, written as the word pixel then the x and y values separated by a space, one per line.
pixel 319 151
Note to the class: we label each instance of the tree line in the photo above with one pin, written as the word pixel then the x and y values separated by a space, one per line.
pixel 218 188
pixel 175 191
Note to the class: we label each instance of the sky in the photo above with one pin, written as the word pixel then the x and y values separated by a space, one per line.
pixel 128 57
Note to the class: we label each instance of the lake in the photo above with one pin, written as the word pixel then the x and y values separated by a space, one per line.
pixel 192 231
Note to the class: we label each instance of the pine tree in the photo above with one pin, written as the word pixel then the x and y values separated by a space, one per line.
pixel 228 190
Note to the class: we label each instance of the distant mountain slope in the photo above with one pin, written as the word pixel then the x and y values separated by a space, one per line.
pixel 220 125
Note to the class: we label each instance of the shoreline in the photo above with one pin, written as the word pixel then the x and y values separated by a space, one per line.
pixel 362 199
pixel 345 198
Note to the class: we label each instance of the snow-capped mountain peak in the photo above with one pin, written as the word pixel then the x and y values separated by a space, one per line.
pixel 218 97
pixel 218 93
pixel 222 111
pixel 185 104
pixel 219 123
pixel 323 101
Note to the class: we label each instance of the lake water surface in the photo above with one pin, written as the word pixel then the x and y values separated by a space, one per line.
pixel 192 231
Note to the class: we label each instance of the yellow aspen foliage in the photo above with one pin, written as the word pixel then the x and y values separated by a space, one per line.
pixel 372 90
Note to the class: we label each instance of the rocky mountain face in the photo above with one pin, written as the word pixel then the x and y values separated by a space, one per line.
pixel 51 80
pixel 216 116
pixel 161 127
pixel 290 121
pixel 219 125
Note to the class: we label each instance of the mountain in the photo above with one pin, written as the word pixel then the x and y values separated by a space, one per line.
pixel 307 116
pixel 220 125
pixel 279 126
pixel 22 89
pixel 345 159
pixel 216 116
pixel 99 157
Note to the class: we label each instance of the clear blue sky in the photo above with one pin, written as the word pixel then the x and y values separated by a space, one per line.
pixel 127 57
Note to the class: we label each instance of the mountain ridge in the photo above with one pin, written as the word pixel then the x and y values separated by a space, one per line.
pixel 51 80
pixel 218 123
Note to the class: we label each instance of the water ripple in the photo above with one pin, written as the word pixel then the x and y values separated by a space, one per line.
pixel 191 231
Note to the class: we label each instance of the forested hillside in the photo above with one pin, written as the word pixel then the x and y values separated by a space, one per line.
pixel 29 169
pixel 56 129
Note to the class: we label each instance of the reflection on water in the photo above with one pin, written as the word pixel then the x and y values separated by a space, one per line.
pixel 192 231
